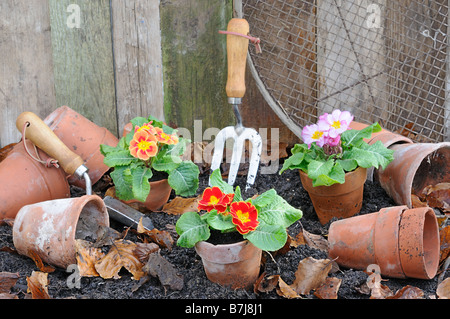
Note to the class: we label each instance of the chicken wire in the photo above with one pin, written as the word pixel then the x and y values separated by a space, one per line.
pixel 384 61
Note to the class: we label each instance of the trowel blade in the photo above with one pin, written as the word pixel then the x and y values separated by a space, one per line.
pixel 125 214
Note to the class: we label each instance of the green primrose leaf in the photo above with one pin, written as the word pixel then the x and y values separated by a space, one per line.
pixel 375 155
pixel 118 158
pixel 192 229
pixel 355 137
pixel 278 212
pixel 141 184
pixel 184 179
pixel 216 180
pixel 265 198
pixel 317 168
pixel 293 162
pixel 219 221
pixel 123 182
pixel 267 237
pixel 336 175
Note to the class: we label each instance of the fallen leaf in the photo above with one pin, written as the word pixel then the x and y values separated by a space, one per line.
pixel 286 291
pixel 37 285
pixel 87 256
pixel 310 274
pixel 143 251
pixel 7 281
pixel 266 283
pixel 39 263
pixel 443 289
pixel 416 202
pixel 157 266
pixel 121 254
pixel 380 292
pixel 438 196
pixel 180 205
pixel 444 236
pixel 161 237
pixel 329 289
pixel 408 292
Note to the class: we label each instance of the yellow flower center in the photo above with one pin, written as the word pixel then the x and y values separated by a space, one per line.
pixel 317 135
pixel 213 200
pixel 243 217
pixel 336 124
pixel 144 145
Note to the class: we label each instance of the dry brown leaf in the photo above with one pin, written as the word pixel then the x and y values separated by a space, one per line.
pixel 284 290
pixel 408 292
pixel 180 205
pixel 7 281
pixel 87 257
pixel 265 283
pixel 444 235
pixel 416 202
pixel 329 289
pixel 37 285
pixel 443 289
pixel 5 150
pixel 310 274
pixel 157 266
pixel 380 292
pixel 39 263
pixel 161 237
pixel 143 251
pixel 121 254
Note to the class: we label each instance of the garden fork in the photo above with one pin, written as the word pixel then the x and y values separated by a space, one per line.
pixel 237 47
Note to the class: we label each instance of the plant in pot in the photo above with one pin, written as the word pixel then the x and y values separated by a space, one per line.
pixel 333 162
pixel 256 224
pixel 149 148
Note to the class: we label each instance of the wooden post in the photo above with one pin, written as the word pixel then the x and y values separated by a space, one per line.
pixel 137 59
pixel 194 62
pixel 26 70
pixel 83 59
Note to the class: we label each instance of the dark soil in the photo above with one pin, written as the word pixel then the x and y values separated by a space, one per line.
pixel 189 265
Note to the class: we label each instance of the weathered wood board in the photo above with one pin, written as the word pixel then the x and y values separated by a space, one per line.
pixel 83 59
pixel 26 67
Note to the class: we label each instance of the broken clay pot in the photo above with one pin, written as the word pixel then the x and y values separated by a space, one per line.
pixel 402 242
pixel 414 167
pixel 26 181
pixel 337 200
pixel 233 265
pixel 83 137
pixel 49 229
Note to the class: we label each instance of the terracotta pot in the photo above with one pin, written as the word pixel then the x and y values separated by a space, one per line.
pixel 338 200
pixel 234 265
pixel 26 181
pixel 83 137
pixel 402 242
pixel 414 167
pixel 50 228
pixel 158 196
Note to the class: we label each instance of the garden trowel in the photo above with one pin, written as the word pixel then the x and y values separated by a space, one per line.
pixel 45 139
pixel 237 48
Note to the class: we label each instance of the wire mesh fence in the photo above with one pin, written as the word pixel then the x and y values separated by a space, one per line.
pixel 384 61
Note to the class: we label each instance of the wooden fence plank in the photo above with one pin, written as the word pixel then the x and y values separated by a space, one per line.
pixel 137 58
pixel 194 62
pixel 83 61
pixel 26 71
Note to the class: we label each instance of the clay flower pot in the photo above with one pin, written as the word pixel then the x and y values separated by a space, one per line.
pixel 233 265
pixel 50 228
pixel 83 137
pixel 26 181
pixel 158 196
pixel 337 200
pixel 402 242
pixel 387 137
pixel 414 167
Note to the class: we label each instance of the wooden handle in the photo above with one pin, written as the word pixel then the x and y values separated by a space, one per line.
pixel 44 138
pixel 237 48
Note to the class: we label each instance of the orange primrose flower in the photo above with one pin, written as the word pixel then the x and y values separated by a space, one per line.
pixel 165 138
pixel 143 145
pixel 244 216
pixel 146 127
pixel 214 198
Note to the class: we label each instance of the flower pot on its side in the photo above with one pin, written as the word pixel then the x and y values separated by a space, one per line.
pixel 25 181
pixel 402 242
pixel 234 265
pixel 83 137
pixel 338 200
pixel 50 228
pixel 158 196
pixel 414 167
